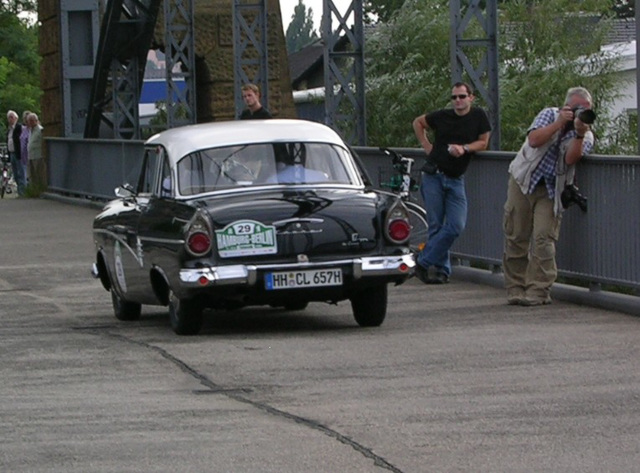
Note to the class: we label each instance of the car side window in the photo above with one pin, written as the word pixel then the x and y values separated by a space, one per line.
pixel 166 182
pixel 149 174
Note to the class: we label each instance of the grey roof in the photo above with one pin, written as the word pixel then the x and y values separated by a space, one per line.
pixel 305 62
pixel 622 30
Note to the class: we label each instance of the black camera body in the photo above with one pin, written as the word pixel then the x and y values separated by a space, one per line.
pixel 571 195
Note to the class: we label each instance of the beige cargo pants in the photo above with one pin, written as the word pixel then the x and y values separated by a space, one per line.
pixel 531 232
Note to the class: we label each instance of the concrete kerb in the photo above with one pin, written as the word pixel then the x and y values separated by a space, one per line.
pixel 96 204
pixel 563 292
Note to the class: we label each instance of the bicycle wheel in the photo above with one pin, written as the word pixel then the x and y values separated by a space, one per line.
pixel 419 227
pixel 4 184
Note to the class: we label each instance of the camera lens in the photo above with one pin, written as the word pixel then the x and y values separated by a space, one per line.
pixel 587 116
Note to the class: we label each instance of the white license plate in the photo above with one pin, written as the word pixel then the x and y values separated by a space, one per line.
pixel 306 278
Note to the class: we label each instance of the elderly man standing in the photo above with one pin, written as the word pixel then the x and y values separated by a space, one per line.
pixel 37 164
pixel 14 131
pixel 556 141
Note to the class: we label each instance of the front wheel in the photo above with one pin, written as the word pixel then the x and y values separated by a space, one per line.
pixel 370 306
pixel 125 310
pixel 185 315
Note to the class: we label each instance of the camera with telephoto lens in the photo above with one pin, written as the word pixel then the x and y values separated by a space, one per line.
pixel 586 116
pixel 571 195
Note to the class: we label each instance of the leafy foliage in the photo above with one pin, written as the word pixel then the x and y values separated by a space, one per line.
pixel 19 65
pixel 16 7
pixel 407 71
pixel 382 10
pixel 624 8
pixel 542 53
pixel 300 32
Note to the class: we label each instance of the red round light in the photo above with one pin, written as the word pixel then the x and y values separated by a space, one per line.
pixel 199 243
pixel 399 230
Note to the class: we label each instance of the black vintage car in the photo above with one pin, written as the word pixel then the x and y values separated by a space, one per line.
pixel 231 214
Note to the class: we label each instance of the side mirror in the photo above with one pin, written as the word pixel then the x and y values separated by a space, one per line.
pixel 125 191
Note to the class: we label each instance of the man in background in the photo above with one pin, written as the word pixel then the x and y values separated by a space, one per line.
pixel 254 110
pixel 458 132
pixel 14 130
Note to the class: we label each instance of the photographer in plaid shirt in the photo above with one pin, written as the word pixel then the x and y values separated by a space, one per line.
pixel 556 140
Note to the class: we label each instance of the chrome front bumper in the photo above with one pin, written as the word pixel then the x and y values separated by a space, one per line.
pixel 401 265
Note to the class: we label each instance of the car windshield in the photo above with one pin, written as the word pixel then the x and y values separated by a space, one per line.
pixel 264 164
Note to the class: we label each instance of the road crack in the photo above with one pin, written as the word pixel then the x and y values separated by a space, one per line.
pixel 238 395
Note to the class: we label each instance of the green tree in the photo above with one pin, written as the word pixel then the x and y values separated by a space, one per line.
pixel 17 7
pixel 624 8
pixel 300 32
pixel 381 10
pixel 19 64
pixel 408 71
pixel 542 54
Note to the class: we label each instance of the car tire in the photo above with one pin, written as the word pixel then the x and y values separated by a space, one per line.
pixel 125 310
pixel 370 306
pixel 185 316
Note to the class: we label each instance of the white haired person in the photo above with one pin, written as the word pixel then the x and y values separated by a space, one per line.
pixel 37 164
pixel 14 130
pixel 556 141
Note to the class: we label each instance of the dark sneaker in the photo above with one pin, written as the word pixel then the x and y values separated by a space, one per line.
pixel 421 273
pixel 438 278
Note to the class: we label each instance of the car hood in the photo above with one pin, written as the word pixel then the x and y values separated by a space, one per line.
pixel 276 224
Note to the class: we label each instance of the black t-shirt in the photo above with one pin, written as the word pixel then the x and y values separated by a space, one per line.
pixel 453 129
pixel 258 114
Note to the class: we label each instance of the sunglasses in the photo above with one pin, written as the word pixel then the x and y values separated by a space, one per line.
pixel 459 96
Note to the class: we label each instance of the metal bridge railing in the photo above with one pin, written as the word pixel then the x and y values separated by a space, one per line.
pixel 601 246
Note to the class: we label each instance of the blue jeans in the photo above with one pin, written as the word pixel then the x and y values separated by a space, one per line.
pixel 445 200
pixel 18 172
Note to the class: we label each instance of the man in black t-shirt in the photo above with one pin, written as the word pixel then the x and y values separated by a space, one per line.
pixel 254 110
pixel 458 132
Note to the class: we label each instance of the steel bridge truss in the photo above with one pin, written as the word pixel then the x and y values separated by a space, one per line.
pixel 467 47
pixel 180 60
pixel 125 39
pixel 250 49
pixel 344 71
pixel 127 33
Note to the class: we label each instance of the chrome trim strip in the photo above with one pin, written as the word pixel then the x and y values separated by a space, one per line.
pixel 248 274
pixel 259 188
pixel 298 220
pixel 123 241
pixel 163 240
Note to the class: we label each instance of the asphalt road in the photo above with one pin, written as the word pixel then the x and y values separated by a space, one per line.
pixel 454 381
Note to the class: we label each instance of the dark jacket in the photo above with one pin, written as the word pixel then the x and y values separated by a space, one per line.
pixel 17 131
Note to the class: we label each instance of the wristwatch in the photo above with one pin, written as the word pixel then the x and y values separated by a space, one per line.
pixel 466 148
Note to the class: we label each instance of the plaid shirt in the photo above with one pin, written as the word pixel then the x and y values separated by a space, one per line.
pixel 547 167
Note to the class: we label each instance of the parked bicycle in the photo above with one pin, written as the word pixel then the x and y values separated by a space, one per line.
pixel 402 184
pixel 5 182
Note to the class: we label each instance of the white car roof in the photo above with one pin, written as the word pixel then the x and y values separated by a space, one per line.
pixel 184 140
